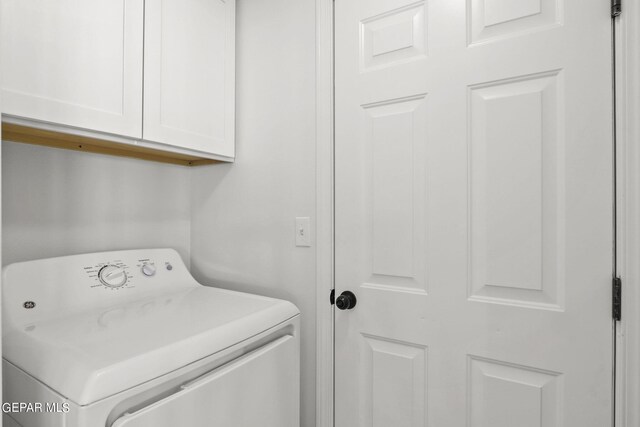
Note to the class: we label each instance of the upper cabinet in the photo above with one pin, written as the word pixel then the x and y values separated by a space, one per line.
pixel 189 74
pixel 76 63
pixel 152 74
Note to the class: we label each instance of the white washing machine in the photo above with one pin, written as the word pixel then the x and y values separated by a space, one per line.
pixel 130 339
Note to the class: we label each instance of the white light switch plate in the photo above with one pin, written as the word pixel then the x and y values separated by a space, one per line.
pixel 303 231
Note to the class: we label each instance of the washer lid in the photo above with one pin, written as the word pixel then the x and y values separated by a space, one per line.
pixel 92 355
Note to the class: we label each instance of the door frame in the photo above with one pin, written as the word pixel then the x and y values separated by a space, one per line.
pixel 628 208
pixel 627 373
pixel 324 213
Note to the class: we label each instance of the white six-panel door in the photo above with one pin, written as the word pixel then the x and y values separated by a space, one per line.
pixel 76 63
pixel 473 213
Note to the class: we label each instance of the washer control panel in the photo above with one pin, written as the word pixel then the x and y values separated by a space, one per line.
pixel 125 273
pixel 47 288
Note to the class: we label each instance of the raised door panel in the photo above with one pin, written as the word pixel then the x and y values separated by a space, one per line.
pixel 189 83
pixel 76 63
pixel 393 383
pixel 394 190
pixel 516 186
pixel 503 394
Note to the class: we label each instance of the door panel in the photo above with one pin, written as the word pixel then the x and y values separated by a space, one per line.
pixel 500 393
pixel 395 193
pixel 494 19
pixel 473 213
pixel 393 392
pixel 77 63
pixel 516 210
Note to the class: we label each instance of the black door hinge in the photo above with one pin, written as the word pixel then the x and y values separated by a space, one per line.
pixel 332 297
pixel 616 8
pixel 617 299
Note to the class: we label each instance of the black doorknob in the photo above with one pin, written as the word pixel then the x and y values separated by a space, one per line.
pixel 346 300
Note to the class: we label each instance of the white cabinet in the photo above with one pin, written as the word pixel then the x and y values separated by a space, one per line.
pixel 149 74
pixel 76 63
pixel 189 74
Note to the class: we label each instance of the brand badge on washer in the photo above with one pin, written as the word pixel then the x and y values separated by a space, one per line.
pixel 29 304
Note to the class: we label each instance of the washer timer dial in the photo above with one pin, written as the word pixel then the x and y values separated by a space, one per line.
pixel 112 276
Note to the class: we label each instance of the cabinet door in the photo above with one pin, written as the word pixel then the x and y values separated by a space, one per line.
pixel 189 83
pixel 72 62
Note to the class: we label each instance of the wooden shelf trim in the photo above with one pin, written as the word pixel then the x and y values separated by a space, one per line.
pixel 30 135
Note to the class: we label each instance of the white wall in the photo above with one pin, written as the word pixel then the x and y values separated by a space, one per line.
pixel 59 202
pixel 243 214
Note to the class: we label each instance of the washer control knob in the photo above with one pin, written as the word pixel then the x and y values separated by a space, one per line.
pixel 148 269
pixel 112 276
